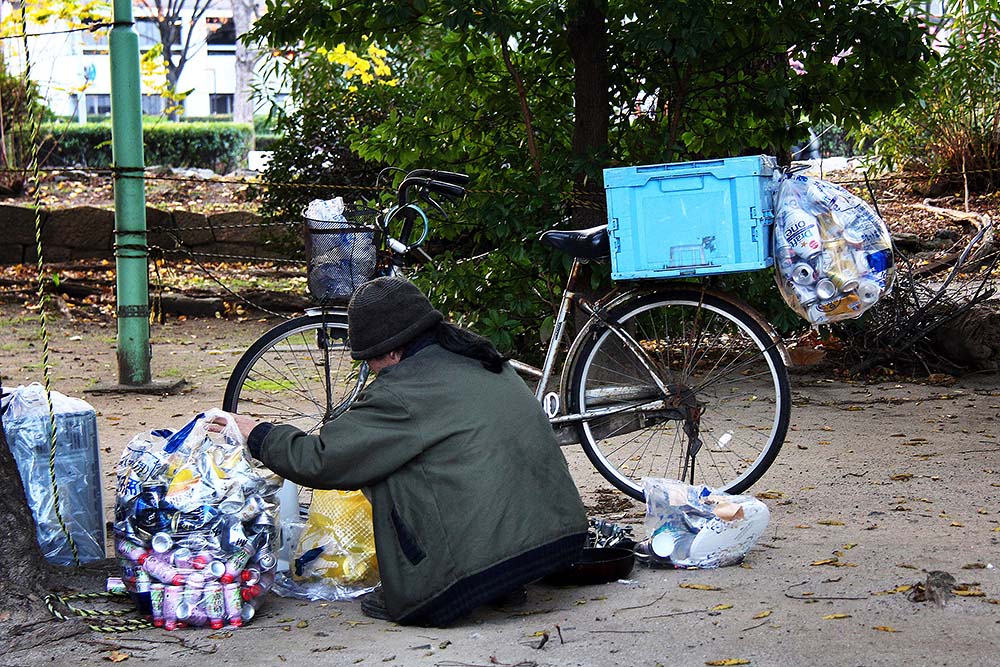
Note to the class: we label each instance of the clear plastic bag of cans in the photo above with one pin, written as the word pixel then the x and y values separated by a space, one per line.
pixel 694 526
pixel 195 525
pixel 832 252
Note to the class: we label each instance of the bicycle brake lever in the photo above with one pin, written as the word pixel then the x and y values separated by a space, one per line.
pixel 425 195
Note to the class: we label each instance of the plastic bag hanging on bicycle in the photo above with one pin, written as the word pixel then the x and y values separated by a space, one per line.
pixel 340 244
pixel 832 251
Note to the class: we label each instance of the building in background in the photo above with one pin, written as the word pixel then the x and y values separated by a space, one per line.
pixel 72 69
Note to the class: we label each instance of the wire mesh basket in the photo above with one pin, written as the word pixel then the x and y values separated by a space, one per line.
pixel 341 253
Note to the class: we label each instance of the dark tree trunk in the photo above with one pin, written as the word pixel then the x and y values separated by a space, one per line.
pixel 23 570
pixel 588 43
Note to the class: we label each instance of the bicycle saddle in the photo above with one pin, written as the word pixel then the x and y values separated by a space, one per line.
pixel 582 243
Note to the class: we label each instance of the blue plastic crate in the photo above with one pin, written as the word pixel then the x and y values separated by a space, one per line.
pixel 690 218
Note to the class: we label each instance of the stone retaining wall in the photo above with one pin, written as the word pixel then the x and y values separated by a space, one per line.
pixel 88 232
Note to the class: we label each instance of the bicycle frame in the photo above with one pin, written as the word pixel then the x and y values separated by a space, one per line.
pixel 554 403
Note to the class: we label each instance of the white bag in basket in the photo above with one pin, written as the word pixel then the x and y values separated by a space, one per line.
pixel 338 263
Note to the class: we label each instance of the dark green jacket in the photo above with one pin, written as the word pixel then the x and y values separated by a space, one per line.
pixel 471 496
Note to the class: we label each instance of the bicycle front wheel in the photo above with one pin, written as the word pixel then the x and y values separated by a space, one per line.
pixel 299 373
pixel 721 414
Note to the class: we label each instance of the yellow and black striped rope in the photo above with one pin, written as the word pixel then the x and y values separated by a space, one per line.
pixel 43 302
pixel 113 620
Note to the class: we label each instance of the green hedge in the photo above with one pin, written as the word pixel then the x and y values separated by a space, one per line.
pixel 218 146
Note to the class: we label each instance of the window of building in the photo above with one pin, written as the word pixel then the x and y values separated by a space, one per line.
pixel 152 105
pixel 98 105
pixel 221 34
pixel 220 104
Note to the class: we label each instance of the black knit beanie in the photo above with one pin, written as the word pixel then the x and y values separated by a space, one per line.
pixel 385 314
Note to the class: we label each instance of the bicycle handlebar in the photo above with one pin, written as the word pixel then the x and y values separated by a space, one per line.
pixel 425 181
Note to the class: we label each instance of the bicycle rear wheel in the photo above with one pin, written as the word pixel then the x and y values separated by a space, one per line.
pixel 299 373
pixel 724 415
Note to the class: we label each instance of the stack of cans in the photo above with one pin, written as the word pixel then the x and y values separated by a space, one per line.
pixel 832 252
pixel 195 529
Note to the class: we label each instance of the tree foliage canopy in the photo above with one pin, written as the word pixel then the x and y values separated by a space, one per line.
pixel 534 98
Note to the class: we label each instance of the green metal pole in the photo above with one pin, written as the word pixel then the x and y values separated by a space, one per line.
pixel 130 201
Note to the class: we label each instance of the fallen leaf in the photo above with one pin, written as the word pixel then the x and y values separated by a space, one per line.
pixel 701 587
pixel 727 662
pixel 833 617
pixel 993 601
pixel 302 624
pixel 825 561
pixel 855 408
pixel 762 614
pixel 957 524
pixel 901 477
pixel 830 522
pixel 974 566
pixel 770 494
pixel 721 607
pixel 849 546
pixel 117 656
pixel 802 525
pixel 968 593
pixel 885 628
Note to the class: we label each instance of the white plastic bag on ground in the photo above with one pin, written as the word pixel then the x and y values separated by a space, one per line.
pixel 832 252
pixel 695 526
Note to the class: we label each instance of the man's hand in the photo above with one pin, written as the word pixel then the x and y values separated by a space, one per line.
pixel 243 423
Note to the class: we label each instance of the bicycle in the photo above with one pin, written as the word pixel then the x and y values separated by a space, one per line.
pixel 663 380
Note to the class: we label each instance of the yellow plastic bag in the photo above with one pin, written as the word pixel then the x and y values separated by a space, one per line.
pixel 337 544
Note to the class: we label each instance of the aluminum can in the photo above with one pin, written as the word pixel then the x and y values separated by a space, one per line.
pixel 197 519
pixel 156 603
pixel 253 508
pixel 868 292
pixel 192 608
pixel 250 609
pixel 234 603
pixel 159 566
pixel 847 305
pixel 162 542
pixel 801 232
pixel 838 263
pixel 215 608
pixel 182 558
pixel 115 586
pixel 238 561
pixel 129 550
pixel 142 588
pixel 825 289
pixel 250 576
pixel 803 273
pixel 147 466
pixel 250 592
pixel 172 596
pixel 149 514
pixel 215 569
pixel 266 558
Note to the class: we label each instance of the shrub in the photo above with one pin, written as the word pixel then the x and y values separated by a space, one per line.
pixel 218 146
pixel 952 127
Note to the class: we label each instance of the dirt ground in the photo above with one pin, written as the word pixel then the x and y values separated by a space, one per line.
pixel 876 485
